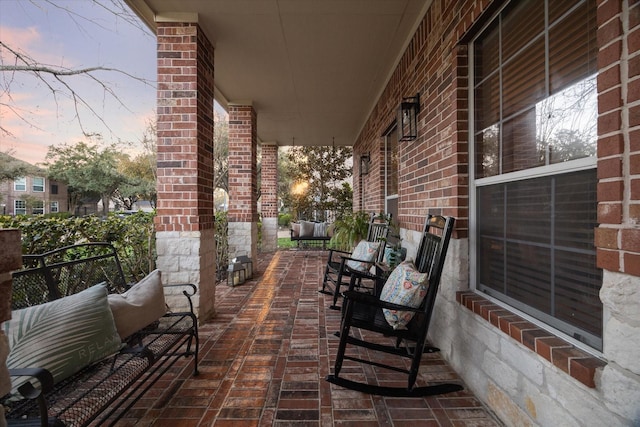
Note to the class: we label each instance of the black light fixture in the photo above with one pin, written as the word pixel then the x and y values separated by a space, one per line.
pixel 365 160
pixel 408 118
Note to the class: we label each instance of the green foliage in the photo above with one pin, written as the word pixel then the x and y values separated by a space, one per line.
pixel 349 230
pixel 11 168
pixel 132 236
pixel 317 181
pixel 87 170
pixel 139 179
pixel 286 243
pixel 284 219
pixel 222 244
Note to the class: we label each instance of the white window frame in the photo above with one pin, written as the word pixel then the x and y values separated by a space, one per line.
pixel 475 183
pixel 20 184
pixel 19 207
pixel 38 188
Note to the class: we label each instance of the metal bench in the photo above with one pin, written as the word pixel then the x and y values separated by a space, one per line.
pixel 102 392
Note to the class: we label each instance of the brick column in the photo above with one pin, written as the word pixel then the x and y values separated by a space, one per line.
pixel 184 221
pixel 10 260
pixel 243 209
pixel 269 196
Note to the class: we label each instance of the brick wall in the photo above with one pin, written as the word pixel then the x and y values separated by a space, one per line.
pixel 618 236
pixel 433 168
pixel 185 128
pixel 269 184
pixel 242 164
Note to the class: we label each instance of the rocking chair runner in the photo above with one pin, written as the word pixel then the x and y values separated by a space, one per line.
pixel 366 312
pixel 337 269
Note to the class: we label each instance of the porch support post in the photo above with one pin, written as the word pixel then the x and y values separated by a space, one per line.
pixel 184 221
pixel 269 197
pixel 243 177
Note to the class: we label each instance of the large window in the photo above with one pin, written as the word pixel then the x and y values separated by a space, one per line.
pixel 20 207
pixel 534 129
pixel 20 184
pixel 38 207
pixel 37 183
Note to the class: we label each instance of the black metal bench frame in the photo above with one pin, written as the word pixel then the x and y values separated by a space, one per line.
pixel 319 239
pixel 100 394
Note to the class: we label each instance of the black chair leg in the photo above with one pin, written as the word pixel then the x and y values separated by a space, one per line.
pixel 336 292
pixel 345 327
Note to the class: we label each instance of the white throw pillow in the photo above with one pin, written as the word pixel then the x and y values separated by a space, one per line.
pixel 140 306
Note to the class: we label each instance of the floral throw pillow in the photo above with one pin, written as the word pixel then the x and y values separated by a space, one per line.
pixel 405 286
pixel 364 255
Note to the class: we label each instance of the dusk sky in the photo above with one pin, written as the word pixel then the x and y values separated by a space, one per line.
pixel 91 37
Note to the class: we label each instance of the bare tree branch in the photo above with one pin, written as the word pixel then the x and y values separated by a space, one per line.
pixel 58 80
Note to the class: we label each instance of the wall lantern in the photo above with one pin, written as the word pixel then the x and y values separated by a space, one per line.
pixel 235 274
pixel 408 118
pixel 365 161
pixel 247 264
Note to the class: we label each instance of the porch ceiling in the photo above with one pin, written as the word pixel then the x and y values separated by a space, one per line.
pixel 312 69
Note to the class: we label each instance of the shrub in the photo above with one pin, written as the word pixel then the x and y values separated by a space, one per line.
pixel 284 219
pixel 133 236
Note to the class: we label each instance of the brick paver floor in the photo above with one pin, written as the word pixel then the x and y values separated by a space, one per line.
pixel 266 353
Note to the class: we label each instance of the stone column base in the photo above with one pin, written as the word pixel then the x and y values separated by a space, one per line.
pixel 189 257
pixel 243 239
pixel 269 234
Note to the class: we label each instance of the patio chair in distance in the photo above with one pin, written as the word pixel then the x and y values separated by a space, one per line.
pixel 366 312
pixel 337 271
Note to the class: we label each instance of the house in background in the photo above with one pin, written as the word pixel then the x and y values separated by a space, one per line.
pixel 33 193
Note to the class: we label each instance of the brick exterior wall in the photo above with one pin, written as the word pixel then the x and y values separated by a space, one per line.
pixel 185 128
pixel 618 236
pixel 507 361
pixel 9 195
pixel 433 169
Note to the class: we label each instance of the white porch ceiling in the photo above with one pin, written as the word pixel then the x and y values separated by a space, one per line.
pixel 312 69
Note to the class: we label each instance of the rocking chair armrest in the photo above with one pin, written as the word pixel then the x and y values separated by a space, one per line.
pixel 373 300
pixel 357 275
pixel 336 252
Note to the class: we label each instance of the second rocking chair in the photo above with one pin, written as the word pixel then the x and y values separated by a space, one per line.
pixel 399 313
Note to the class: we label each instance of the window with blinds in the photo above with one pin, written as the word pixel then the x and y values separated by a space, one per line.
pixel 534 129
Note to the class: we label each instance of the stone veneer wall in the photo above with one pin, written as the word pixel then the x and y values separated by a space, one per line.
pixel 10 260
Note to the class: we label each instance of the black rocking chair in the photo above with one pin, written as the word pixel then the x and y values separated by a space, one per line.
pixel 365 311
pixel 337 271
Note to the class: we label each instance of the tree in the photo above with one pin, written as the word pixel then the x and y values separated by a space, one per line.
pixel 87 170
pixel 11 168
pixel 319 176
pixel 140 172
